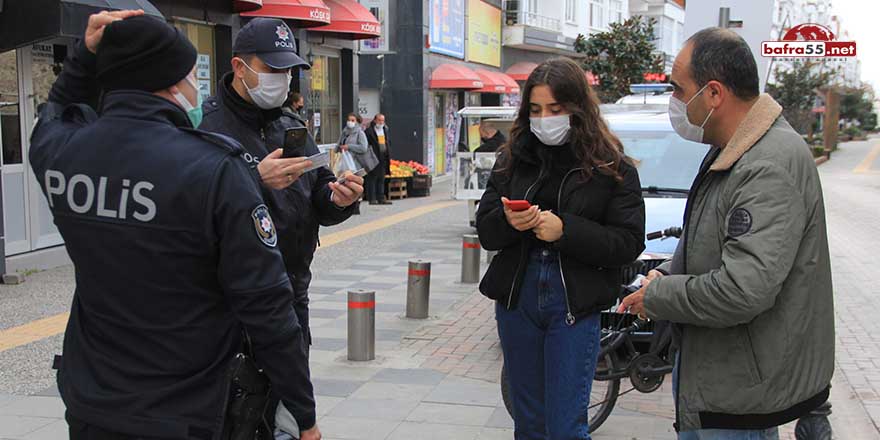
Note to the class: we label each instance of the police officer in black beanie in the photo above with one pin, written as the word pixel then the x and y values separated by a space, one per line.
pixel 173 247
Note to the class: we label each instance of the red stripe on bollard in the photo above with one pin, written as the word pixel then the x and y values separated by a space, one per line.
pixel 470 245
pixel 419 273
pixel 362 305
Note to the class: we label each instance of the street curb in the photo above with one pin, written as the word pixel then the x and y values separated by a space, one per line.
pixel 821 160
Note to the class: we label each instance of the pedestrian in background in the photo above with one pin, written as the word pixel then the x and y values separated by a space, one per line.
pixel 354 140
pixel 296 105
pixel 174 257
pixel 749 286
pixel 377 136
pixel 556 266
pixel 491 139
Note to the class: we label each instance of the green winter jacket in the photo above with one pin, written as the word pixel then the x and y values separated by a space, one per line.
pixel 750 284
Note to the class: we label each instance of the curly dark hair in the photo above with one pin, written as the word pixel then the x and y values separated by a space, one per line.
pixel 591 140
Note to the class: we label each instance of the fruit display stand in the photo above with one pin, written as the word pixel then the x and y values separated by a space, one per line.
pixel 408 179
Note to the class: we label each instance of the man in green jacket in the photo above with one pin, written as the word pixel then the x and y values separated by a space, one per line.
pixel 749 286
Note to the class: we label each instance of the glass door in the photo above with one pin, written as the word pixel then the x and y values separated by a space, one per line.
pixel 44 62
pixel 26 76
pixel 15 203
pixel 324 104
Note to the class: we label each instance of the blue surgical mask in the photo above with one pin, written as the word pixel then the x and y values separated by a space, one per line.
pixel 193 113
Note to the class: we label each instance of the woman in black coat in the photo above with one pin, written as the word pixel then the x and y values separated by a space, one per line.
pixel 377 136
pixel 559 259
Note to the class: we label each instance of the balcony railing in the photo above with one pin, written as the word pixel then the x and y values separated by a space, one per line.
pixel 514 15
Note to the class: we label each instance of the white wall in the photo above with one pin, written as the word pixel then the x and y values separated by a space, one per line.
pixel 757 17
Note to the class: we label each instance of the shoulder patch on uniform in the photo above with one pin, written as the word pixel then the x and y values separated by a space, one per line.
pixel 221 140
pixel 739 222
pixel 264 226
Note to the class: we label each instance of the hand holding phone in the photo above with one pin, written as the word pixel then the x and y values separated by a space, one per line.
pixel 517 205
pixel 295 140
pixel 521 215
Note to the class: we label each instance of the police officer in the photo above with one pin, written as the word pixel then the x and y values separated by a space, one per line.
pixel 248 108
pixel 174 250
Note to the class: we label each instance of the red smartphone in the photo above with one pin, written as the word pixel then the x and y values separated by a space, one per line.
pixel 518 205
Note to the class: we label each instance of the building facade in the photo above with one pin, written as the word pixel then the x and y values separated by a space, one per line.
pixel 668 16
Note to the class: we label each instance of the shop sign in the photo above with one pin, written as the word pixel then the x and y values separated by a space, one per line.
pixel 484 33
pixel 203 66
pixel 318 74
pixel 43 53
pixel 447 27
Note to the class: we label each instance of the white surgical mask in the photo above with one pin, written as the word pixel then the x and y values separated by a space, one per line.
pixel 272 90
pixel 680 122
pixel 380 126
pixel 551 130
pixel 351 124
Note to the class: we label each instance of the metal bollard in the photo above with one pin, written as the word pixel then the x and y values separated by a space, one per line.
pixel 418 288
pixel 470 259
pixel 361 325
pixel 490 255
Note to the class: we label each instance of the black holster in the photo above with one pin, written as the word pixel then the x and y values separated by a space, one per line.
pixel 248 400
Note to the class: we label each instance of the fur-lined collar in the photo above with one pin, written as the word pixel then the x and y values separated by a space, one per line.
pixel 757 122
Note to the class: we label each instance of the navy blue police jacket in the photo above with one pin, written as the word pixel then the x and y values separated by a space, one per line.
pixel 299 209
pixel 174 253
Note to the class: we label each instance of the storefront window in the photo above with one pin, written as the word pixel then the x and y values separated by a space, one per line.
pixel 202 37
pixel 323 103
pixel 10 128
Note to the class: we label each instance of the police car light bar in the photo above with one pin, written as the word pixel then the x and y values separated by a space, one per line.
pixel 656 89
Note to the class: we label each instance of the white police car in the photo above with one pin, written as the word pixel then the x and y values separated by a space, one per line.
pixel 667 165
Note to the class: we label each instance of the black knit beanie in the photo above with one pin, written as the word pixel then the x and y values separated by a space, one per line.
pixel 143 53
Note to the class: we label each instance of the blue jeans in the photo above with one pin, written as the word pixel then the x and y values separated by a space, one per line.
pixel 720 434
pixel 550 365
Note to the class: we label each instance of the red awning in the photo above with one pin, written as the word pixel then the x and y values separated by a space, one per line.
pixel 246 5
pixel 521 71
pixel 491 82
pixel 303 13
pixel 455 76
pixel 512 86
pixel 351 21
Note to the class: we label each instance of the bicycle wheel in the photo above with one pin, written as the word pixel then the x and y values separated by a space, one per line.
pixel 603 396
